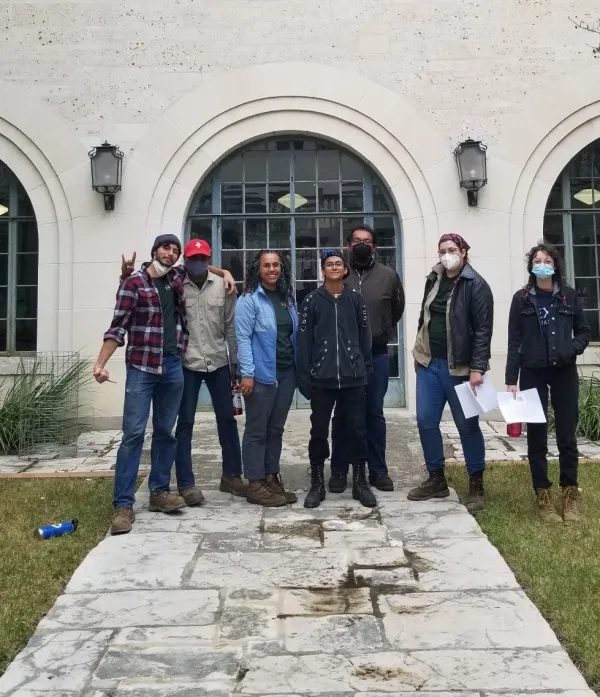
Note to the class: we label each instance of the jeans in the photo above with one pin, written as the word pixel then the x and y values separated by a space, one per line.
pixel 163 391
pixel 564 393
pixel 266 413
pixel 435 387
pixel 376 429
pixel 219 387
pixel 351 403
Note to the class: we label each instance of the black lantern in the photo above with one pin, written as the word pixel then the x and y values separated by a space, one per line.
pixel 472 167
pixel 107 168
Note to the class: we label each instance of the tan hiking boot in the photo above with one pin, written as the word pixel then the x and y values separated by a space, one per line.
pixel 122 521
pixel 192 495
pixel 545 506
pixel 259 493
pixel 275 483
pixel 166 502
pixel 233 485
pixel 571 501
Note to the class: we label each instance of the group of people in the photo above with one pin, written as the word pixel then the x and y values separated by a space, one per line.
pixel 185 326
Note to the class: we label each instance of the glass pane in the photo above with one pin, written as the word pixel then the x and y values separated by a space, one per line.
pixel 27 237
pixel 387 257
pixel 201 229
pixel 26 334
pixel 393 355
pixel 276 192
pixel 328 162
pixel 256 198
pixel 24 204
pixel 352 196
pixel 233 262
pixel 2 336
pixel 306 264
pixel 581 193
pixel 306 232
pixel 555 197
pixel 3 236
pixel 329 197
pixel 3 301
pixel 255 167
pixel 231 171
pixel 231 198
pixel 256 234
pixel 203 203
pixel 27 302
pixel 351 168
pixel 278 165
pixel 588 292
pixel 581 164
pixel 585 261
pixel 27 269
pixel 348 224
pixel 303 289
pixel 329 233
pixel 305 166
pixel 385 232
pixel 583 228
pixel 232 234
pixel 380 200
pixel 279 234
pixel 3 269
pixel 308 203
pixel 592 319
pixel 553 228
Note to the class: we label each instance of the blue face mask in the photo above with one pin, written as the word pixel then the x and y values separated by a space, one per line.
pixel 542 270
pixel 196 267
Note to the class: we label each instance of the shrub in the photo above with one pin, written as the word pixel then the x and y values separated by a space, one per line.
pixel 589 408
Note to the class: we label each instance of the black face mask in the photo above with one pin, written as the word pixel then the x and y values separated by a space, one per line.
pixel 362 254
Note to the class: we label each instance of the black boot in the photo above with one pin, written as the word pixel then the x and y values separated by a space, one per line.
pixel 475 500
pixel 338 483
pixel 360 487
pixel 317 487
pixel 434 487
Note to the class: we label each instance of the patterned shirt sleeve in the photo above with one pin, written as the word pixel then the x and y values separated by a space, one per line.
pixel 126 301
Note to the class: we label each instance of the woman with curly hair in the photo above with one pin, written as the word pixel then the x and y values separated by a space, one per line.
pixel 547 330
pixel 266 322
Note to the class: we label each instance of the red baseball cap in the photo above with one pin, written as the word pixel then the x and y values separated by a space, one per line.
pixel 194 247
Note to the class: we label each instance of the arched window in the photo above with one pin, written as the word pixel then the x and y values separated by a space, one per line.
pixel 298 195
pixel 572 223
pixel 18 266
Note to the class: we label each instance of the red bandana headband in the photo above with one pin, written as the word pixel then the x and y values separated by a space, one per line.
pixel 457 239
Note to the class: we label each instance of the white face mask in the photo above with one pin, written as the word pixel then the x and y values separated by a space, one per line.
pixel 160 269
pixel 450 261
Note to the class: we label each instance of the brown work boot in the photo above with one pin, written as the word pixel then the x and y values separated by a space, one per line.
pixel 275 483
pixel 166 502
pixel 259 493
pixel 571 502
pixel 545 506
pixel 233 485
pixel 192 495
pixel 122 521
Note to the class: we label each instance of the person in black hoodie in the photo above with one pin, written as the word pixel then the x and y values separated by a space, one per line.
pixel 332 366
pixel 547 330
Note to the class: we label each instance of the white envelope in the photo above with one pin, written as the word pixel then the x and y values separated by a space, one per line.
pixel 485 400
pixel 526 408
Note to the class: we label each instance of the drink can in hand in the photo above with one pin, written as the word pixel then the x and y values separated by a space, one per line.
pixel 236 396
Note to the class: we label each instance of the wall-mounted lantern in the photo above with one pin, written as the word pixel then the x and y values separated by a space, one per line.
pixel 472 167
pixel 107 169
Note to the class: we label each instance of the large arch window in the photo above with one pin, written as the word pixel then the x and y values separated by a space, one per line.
pixel 298 195
pixel 18 266
pixel 572 223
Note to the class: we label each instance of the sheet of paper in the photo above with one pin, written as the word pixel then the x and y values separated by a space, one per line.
pixel 526 408
pixel 485 400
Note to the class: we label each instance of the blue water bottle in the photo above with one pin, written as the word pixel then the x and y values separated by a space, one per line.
pixel 56 530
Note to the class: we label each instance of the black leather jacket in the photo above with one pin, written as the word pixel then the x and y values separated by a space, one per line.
pixel 471 319
pixel 527 348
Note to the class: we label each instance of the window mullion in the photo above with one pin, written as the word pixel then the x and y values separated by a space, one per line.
pixel 568 227
pixel 12 270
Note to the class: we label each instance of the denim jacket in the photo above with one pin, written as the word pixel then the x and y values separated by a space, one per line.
pixel 256 329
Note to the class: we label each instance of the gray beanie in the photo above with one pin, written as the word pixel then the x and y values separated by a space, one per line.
pixel 165 239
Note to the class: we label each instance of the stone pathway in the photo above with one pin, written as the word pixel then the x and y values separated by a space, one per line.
pixel 230 599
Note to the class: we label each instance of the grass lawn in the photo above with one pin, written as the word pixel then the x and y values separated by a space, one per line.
pixel 558 565
pixel 34 572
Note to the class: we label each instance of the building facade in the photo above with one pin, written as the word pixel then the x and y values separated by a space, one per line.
pixel 255 123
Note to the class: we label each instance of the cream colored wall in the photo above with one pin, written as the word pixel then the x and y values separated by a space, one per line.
pixel 397 83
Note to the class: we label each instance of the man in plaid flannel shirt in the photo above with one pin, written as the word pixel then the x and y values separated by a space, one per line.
pixel 150 309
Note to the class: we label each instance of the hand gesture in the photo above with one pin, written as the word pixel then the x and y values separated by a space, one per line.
pixel 101 375
pixel 246 386
pixel 127 266
pixel 513 389
pixel 475 379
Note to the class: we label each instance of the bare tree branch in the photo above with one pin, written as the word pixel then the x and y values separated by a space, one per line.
pixel 589 27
